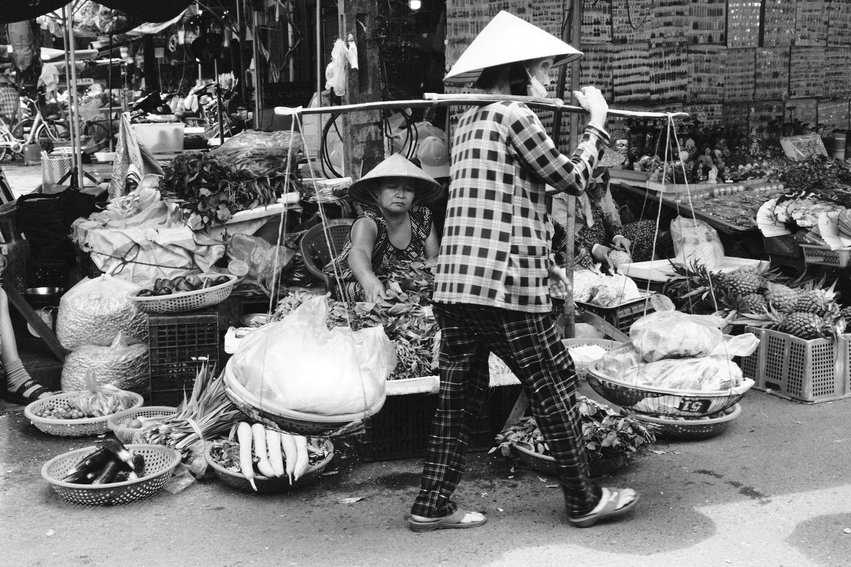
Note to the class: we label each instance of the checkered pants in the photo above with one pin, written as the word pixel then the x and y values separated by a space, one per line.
pixel 530 346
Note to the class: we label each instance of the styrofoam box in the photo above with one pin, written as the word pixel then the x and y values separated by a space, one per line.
pixel 661 270
pixel 160 137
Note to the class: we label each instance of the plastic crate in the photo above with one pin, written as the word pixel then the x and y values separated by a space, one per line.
pixel 624 315
pixel 401 429
pixel 179 344
pixel 806 370
pixel 825 256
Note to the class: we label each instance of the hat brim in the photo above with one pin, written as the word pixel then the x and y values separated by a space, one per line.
pixel 425 191
pixel 471 76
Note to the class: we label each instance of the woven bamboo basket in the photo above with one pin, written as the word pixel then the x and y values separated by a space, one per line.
pixel 187 300
pixel 81 427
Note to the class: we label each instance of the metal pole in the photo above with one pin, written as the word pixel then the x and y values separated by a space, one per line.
pixel 76 158
pixel 109 88
pixel 258 104
pixel 319 46
pixel 219 101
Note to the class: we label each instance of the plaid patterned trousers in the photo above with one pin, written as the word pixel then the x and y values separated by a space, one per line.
pixel 530 346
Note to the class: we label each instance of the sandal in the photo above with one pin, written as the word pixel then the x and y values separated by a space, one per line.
pixel 459 519
pixel 27 393
pixel 614 502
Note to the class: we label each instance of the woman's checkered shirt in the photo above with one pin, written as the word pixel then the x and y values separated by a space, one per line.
pixel 497 239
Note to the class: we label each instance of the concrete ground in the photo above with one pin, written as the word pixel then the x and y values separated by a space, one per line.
pixel 26 178
pixel 773 490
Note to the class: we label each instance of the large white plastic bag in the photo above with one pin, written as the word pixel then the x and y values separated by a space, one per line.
pixel 298 364
pixel 94 311
pixel 122 365
pixel 695 240
pixel 672 334
pixel 706 374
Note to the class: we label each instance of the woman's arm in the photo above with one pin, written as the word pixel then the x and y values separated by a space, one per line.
pixel 432 244
pixel 363 235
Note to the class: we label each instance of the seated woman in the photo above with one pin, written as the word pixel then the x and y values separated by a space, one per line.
pixel 598 225
pixel 20 387
pixel 394 226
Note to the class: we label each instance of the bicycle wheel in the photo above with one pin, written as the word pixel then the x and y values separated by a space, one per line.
pixel 54 132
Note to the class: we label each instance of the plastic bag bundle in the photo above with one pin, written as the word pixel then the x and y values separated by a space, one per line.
pixel 694 240
pixel 299 365
pixel 706 374
pixel 94 311
pixel 672 334
pixel 119 364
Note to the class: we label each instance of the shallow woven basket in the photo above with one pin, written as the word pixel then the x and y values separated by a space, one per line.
pixel 659 401
pixel 688 429
pixel 160 462
pixel 117 423
pixel 264 484
pixel 187 300
pixel 81 427
pixel 581 369
pixel 547 464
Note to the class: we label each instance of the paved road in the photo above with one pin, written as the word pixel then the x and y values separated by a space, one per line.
pixel 774 490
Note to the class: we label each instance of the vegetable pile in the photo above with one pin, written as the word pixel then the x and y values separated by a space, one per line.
pixel 110 462
pixel 606 432
pixel 405 313
pixel 104 400
pixel 261 453
pixel 239 176
pixel 165 286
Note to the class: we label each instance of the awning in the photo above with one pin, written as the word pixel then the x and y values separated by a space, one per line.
pixel 145 11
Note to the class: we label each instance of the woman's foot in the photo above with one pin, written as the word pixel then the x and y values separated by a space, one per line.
pixel 459 519
pixel 613 502
pixel 27 392
pixel 20 386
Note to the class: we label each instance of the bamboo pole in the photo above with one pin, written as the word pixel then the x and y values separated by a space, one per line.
pixel 438 100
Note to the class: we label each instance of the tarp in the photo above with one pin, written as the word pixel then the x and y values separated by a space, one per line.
pixel 146 11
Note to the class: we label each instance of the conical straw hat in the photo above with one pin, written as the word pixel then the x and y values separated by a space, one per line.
pixel 425 187
pixel 508 39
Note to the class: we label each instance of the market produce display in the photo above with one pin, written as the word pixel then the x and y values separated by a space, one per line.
pixel 405 313
pixel 603 290
pixel 260 453
pixel 246 172
pixel 606 432
pixel 104 400
pixel 179 284
pixel 110 462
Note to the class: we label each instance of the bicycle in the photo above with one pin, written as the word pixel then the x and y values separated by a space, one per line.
pixel 31 128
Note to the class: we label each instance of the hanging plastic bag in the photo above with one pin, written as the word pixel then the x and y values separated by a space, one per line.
pixel 694 240
pixel 298 365
pixel 94 311
pixel 256 258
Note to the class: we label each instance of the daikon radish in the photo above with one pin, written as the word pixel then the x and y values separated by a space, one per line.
pixel 246 462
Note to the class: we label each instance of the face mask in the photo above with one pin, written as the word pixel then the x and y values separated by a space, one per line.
pixel 536 88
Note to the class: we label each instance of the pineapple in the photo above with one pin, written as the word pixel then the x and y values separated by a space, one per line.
pixel 804 325
pixel 816 301
pixel 782 297
pixel 740 283
pixel 752 303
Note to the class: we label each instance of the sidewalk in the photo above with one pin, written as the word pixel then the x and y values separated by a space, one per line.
pixel 773 490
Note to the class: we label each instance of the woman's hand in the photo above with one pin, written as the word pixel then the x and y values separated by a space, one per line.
pixel 622 243
pixel 591 99
pixel 373 290
pixel 560 286
pixel 600 254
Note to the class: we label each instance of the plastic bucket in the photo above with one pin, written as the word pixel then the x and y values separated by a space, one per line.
pixel 839 145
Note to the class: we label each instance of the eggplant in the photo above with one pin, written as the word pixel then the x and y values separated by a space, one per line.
pixel 109 472
pixel 89 467
pixel 124 456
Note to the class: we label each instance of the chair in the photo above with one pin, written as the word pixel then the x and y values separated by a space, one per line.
pixel 314 248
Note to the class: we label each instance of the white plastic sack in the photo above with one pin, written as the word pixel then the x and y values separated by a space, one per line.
pixel 94 311
pixel 297 364
pixel 122 365
pixel 707 374
pixel 694 240
pixel 672 334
